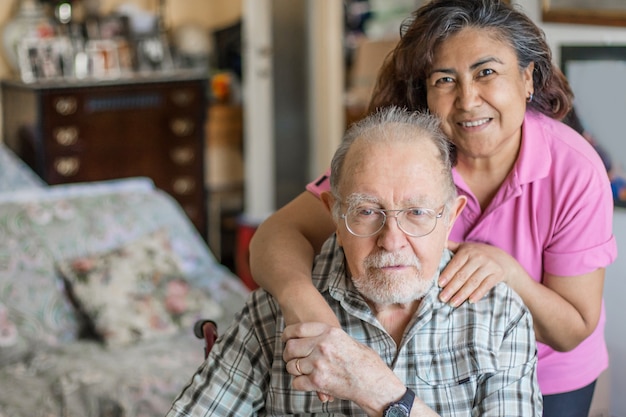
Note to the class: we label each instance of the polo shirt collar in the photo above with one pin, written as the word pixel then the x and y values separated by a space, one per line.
pixel 535 157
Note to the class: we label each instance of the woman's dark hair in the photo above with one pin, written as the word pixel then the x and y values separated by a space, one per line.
pixel 401 80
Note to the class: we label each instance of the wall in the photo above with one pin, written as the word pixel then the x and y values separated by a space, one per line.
pixel 6 11
pixel 289 31
pixel 614 290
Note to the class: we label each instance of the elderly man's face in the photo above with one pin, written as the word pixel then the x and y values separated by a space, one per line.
pixel 392 267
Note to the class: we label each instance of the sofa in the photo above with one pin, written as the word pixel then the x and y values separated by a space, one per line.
pixel 100 285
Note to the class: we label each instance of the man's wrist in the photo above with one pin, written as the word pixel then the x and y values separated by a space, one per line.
pixel 402 407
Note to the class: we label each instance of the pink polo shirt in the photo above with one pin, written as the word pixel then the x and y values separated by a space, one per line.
pixel 554 212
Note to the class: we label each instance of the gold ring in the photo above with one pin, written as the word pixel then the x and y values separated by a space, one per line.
pixel 298 367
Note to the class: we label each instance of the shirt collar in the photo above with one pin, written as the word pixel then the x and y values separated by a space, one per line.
pixel 535 158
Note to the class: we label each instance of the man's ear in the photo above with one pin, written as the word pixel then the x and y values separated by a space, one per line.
pixel 455 210
pixel 329 202
pixel 328 199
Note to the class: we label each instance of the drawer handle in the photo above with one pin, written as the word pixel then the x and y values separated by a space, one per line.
pixel 182 155
pixel 182 127
pixel 182 98
pixel 66 136
pixel 65 105
pixel 184 185
pixel 67 166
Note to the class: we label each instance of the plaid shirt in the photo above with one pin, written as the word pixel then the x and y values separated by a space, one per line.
pixel 475 360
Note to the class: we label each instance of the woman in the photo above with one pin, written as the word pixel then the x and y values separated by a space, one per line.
pixel 539 211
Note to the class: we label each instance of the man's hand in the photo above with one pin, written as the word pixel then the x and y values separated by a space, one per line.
pixel 311 307
pixel 326 359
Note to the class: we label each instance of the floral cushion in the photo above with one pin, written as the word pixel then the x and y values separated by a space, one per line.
pixel 136 291
pixel 40 227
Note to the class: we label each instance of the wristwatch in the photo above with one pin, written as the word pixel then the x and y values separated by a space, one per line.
pixel 401 408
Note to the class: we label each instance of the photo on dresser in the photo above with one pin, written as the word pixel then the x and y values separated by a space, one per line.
pixel 102 58
pixel 153 54
pixel 45 59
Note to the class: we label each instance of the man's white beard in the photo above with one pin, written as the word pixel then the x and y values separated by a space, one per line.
pixel 392 287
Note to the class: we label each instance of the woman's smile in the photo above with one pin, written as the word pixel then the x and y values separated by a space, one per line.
pixel 475 123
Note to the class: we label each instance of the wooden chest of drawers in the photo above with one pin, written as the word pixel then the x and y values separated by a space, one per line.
pixel 90 132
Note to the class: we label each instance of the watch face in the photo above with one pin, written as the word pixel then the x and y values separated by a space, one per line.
pixel 396 410
pixel 401 408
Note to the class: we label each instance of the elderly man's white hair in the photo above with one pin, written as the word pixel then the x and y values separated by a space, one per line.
pixel 395 124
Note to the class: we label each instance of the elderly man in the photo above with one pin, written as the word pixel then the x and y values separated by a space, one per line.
pixel 400 351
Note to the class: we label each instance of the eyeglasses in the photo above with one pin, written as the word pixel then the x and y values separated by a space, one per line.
pixel 415 221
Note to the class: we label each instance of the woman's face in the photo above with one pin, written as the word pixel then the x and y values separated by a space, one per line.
pixel 477 89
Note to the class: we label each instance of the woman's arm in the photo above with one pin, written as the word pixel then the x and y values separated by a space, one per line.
pixel 281 258
pixel 565 310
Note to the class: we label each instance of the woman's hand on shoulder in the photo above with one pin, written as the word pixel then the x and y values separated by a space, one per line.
pixel 474 269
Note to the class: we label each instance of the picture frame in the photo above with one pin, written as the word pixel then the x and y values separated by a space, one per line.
pixel 596 74
pixel 102 59
pixel 597 12
pixel 153 54
pixel 47 59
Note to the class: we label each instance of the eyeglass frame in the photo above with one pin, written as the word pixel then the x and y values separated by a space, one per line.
pixel 398 212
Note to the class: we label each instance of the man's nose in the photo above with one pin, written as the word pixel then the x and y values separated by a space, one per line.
pixel 391 237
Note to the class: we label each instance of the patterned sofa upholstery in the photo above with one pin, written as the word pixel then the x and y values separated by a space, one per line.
pixel 50 362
